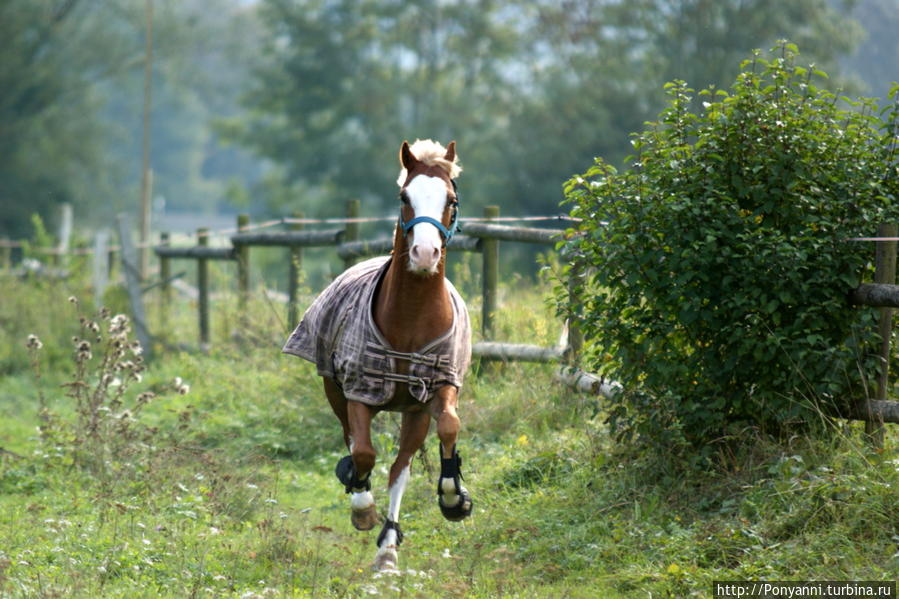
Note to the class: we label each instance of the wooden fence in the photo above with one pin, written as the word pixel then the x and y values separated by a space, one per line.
pixel 882 294
pixel 482 237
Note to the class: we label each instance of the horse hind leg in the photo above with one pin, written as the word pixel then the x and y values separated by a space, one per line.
pixel 413 431
pixel 453 498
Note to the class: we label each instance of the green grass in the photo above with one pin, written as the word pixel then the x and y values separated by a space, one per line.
pixel 229 491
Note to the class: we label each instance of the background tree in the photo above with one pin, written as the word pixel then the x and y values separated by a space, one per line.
pixel 51 53
pixel 346 81
pixel 513 82
pixel 71 75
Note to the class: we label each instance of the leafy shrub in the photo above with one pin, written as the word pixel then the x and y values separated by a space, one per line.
pixel 718 263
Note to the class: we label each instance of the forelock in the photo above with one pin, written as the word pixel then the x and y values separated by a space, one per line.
pixel 431 153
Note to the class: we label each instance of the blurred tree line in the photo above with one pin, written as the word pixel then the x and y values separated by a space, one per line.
pixel 277 105
pixel 71 100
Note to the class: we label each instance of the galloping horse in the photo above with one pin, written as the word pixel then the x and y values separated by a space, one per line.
pixel 393 334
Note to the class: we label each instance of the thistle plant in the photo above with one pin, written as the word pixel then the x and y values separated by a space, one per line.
pixel 108 364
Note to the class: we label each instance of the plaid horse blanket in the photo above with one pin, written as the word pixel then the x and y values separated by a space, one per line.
pixel 339 335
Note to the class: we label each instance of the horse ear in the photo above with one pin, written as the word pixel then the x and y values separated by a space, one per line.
pixel 450 151
pixel 407 159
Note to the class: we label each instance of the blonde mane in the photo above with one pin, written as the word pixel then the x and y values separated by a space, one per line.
pixel 432 154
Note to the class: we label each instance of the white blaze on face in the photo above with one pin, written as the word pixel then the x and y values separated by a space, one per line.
pixel 427 196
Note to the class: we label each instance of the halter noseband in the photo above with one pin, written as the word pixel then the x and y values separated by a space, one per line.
pixel 447 232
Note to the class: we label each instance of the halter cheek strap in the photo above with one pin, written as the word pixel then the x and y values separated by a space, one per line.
pixel 447 232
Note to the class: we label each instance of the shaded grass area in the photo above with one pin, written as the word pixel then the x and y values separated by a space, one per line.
pixel 231 492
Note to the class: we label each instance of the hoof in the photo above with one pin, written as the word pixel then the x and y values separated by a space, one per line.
pixel 460 511
pixel 365 518
pixel 386 560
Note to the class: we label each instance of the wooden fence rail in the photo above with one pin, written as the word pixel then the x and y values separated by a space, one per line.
pixel 290 238
pixel 382 245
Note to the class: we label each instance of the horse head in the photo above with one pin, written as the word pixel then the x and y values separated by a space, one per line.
pixel 429 201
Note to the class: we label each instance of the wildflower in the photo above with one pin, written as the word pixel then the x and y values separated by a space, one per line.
pixel 73 300
pixel 126 415
pixel 136 349
pixel 184 389
pixel 83 351
pixel 145 397
pixel 93 326
pixel 177 381
pixel 34 343
pixel 104 312
pixel 118 325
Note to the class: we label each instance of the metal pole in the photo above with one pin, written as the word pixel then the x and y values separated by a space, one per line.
pixel 147 175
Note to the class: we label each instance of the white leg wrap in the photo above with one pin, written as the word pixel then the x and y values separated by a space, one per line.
pixel 361 501
pixel 389 540
pixel 449 492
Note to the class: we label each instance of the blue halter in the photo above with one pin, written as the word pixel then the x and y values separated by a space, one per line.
pixel 447 232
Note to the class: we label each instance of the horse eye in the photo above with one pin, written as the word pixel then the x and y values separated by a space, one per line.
pixel 404 197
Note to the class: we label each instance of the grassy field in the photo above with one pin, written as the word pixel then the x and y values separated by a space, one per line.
pixel 226 489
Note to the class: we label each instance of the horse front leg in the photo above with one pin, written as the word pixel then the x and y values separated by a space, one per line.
pixel 453 498
pixel 413 431
pixel 354 470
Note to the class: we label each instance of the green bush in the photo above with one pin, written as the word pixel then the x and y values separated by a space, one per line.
pixel 718 263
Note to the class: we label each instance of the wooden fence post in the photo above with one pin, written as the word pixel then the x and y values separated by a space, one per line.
pixel 165 287
pixel 575 334
pixel 100 272
pixel 296 268
pixel 489 276
pixel 110 263
pixel 131 269
pixel 5 254
pixel 203 286
pixel 61 257
pixel 884 273
pixel 351 233
pixel 243 269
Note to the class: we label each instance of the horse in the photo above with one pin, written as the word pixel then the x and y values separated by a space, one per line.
pixel 393 334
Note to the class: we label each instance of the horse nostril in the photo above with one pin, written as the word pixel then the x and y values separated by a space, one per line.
pixel 424 255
